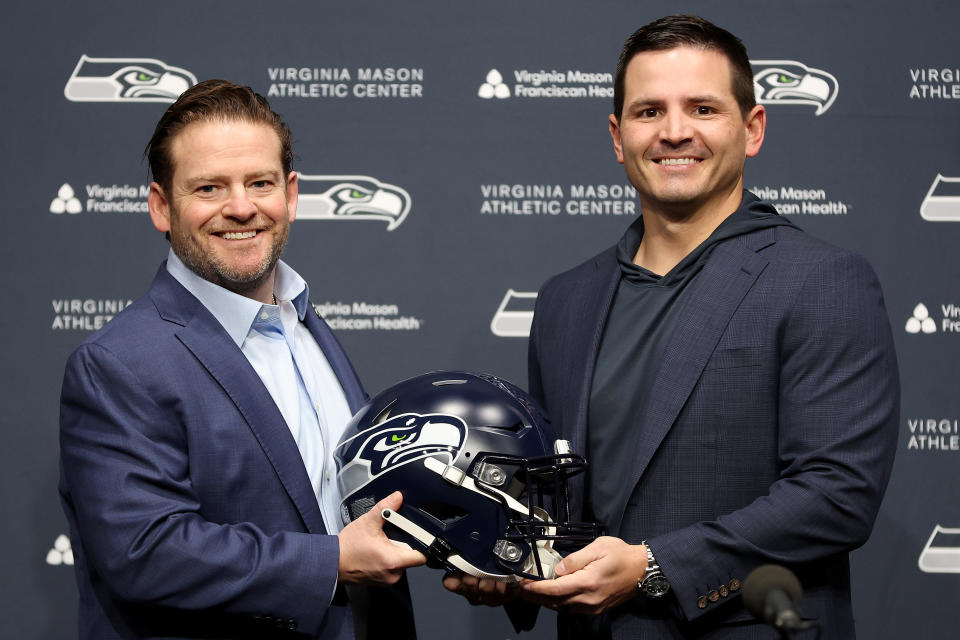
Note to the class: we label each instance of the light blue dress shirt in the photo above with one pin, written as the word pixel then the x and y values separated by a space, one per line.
pixel 291 365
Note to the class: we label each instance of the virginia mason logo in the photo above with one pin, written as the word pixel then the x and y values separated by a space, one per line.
pixel 126 80
pixel 792 82
pixel 351 198
pixel 921 321
pixel 552 84
pixel 494 86
pixel 66 201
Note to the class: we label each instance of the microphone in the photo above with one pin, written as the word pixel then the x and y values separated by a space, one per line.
pixel 772 593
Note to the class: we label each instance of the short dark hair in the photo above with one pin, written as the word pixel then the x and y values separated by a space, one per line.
pixel 688 31
pixel 207 101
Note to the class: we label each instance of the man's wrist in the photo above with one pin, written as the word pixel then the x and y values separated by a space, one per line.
pixel 653 584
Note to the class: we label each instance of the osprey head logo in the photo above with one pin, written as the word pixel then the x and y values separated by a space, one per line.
pixel 126 80
pixel 791 82
pixel 400 440
pixel 351 198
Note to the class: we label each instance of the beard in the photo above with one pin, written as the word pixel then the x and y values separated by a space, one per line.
pixel 237 275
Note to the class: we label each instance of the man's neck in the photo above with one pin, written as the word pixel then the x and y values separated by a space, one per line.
pixel 669 237
pixel 262 291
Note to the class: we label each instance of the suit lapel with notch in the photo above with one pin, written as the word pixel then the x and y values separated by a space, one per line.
pixel 203 335
pixel 593 304
pixel 731 270
pixel 588 302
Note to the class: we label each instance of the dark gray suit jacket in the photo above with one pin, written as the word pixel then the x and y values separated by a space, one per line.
pixel 769 436
pixel 190 510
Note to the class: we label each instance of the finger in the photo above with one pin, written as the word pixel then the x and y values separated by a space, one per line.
pixel 546 601
pixel 406 557
pixel 576 560
pixel 470 583
pixel 488 587
pixel 452 582
pixel 562 587
pixel 392 501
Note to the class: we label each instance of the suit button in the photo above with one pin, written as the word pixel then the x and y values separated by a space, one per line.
pixel 724 591
pixel 291 624
pixel 702 602
pixel 734 585
pixel 713 596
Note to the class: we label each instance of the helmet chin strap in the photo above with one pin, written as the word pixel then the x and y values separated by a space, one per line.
pixel 441 551
pixel 437 549
pixel 549 558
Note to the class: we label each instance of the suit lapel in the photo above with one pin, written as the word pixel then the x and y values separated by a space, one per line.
pixel 595 300
pixel 219 355
pixel 589 302
pixel 716 292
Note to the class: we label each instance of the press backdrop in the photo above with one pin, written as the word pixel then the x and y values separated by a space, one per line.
pixel 474 137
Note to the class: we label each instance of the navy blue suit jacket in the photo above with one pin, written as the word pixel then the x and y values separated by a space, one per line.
pixel 190 509
pixel 769 435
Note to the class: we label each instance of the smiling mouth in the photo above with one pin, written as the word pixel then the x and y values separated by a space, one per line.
pixel 237 235
pixel 676 161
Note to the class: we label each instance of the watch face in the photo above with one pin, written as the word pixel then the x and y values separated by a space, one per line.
pixel 656 586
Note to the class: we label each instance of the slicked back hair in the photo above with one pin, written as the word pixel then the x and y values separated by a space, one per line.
pixel 207 101
pixel 688 31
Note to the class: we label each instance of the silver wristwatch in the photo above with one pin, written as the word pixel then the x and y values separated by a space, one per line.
pixel 654 584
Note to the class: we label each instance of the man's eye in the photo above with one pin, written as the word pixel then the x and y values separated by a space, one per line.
pixel 260 184
pixel 649 113
pixel 704 111
pixel 207 188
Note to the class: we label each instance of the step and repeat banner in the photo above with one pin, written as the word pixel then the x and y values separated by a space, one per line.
pixel 478 134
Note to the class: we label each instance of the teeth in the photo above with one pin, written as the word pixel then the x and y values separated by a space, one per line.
pixel 673 161
pixel 239 235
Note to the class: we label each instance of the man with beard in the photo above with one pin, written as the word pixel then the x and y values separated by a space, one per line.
pixel 732 379
pixel 197 427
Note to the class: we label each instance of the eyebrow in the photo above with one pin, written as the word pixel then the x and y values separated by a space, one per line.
pixel 277 174
pixel 705 97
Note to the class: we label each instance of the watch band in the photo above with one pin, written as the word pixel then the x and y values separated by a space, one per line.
pixel 653 584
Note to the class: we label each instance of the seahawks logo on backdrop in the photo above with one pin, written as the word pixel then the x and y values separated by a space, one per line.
pixel 792 82
pixel 126 80
pixel 400 440
pixel 351 198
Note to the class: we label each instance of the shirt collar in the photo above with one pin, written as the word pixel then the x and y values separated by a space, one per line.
pixel 236 312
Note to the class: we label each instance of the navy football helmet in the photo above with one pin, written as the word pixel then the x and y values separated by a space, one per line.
pixel 484 480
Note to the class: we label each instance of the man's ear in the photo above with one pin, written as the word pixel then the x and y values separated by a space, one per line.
pixel 293 189
pixel 159 208
pixel 615 134
pixel 756 124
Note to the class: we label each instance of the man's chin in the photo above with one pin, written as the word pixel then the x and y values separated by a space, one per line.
pixel 240 281
pixel 243 282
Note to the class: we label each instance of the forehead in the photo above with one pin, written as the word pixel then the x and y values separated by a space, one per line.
pixel 225 146
pixel 681 70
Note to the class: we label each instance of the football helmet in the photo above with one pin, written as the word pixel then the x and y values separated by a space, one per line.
pixel 483 478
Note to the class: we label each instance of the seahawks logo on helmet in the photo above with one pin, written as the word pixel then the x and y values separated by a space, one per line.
pixel 351 198
pixel 792 82
pixel 398 441
pixel 126 80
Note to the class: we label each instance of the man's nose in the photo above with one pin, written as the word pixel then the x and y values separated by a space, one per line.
pixel 239 205
pixel 677 128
